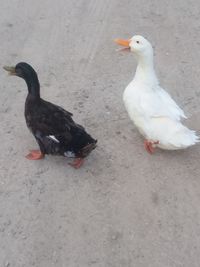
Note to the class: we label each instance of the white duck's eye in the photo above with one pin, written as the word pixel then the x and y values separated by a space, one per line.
pixel 137 42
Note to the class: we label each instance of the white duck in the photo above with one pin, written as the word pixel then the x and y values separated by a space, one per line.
pixel 151 108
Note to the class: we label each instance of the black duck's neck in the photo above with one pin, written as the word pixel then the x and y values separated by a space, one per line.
pixel 33 86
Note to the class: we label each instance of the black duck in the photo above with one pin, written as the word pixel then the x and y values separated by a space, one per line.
pixel 53 127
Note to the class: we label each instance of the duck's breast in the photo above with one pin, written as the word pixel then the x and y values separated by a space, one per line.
pixel 132 98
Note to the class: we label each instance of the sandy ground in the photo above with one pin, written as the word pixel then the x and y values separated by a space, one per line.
pixel 124 208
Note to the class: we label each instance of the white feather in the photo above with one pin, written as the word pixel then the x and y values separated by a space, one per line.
pixel 69 154
pixel 52 137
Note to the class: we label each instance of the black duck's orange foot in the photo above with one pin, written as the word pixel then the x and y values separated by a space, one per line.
pixel 77 163
pixel 35 155
pixel 150 146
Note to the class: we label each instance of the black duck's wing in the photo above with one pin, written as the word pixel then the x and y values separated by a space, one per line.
pixel 51 119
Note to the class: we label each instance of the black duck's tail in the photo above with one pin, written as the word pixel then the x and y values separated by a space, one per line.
pixel 82 143
pixel 88 148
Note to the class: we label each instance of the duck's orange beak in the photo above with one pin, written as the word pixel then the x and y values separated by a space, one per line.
pixel 123 42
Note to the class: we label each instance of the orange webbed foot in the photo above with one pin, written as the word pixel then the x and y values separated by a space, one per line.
pixel 77 163
pixel 35 155
pixel 150 146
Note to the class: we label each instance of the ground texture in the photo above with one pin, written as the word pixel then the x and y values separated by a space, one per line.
pixel 124 207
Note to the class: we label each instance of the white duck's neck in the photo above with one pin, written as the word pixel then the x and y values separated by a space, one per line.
pixel 145 72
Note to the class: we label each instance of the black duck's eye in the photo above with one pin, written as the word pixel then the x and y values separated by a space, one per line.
pixel 137 42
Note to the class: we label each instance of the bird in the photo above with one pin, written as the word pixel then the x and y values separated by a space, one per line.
pixel 153 111
pixel 52 126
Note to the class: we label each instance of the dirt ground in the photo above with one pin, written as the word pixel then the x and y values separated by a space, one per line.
pixel 124 207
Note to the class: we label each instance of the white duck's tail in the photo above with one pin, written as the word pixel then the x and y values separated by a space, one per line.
pixel 174 135
pixel 185 138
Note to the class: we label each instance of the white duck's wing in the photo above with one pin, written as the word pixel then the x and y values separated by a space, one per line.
pixel 171 105
pixel 158 103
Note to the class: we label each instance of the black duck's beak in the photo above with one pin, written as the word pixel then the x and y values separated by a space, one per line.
pixel 11 70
